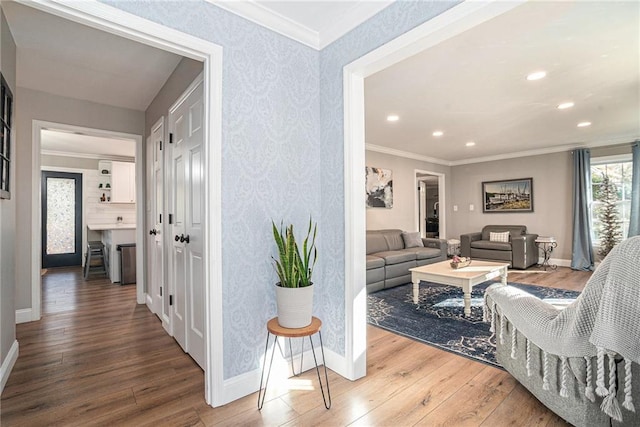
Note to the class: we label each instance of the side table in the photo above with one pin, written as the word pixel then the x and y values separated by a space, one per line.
pixel 273 328
pixel 546 245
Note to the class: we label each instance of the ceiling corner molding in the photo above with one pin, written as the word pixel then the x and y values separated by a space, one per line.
pixel 358 14
pixel 269 19
pixel 406 154
pixel 550 150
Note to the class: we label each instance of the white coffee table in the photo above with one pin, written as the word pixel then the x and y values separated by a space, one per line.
pixel 465 278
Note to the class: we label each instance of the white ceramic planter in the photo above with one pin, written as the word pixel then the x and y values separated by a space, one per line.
pixel 295 306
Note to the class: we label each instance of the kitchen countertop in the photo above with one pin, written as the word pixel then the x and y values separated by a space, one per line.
pixel 113 226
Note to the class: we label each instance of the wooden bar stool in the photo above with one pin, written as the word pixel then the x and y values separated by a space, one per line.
pixel 94 259
pixel 273 328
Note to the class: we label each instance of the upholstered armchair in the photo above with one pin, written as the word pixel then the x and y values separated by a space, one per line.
pixel 502 243
pixel 579 361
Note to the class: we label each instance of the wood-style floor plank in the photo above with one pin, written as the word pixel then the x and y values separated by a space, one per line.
pixel 98 358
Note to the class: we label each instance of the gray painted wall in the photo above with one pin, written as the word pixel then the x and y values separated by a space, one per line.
pixel 403 213
pixel 552 188
pixel 8 207
pixel 36 105
pixel 68 162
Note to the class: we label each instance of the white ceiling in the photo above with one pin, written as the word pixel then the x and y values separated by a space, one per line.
pixel 473 86
pixel 64 58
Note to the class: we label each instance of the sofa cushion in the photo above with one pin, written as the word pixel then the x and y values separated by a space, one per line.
pixel 376 242
pixel 495 246
pixel 514 230
pixel 412 240
pixel 393 239
pixel 374 262
pixel 375 275
pixel 499 237
pixel 396 257
pixel 426 253
pixel 491 255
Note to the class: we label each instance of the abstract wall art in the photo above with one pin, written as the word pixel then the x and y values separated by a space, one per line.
pixel 379 184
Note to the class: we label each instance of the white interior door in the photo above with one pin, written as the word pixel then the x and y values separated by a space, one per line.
pixel 186 224
pixel 177 258
pixel 194 230
pixel 155 255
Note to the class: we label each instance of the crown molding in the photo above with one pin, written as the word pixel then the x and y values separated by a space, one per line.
pixel 267 18
pixel 359 13
pixel 318 40
pixel 549 150
pixel 405 154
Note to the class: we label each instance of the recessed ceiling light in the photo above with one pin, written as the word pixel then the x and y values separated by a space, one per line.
pixel 536 75
pixel 565 105
pixel 438 133
pixel 393 118
pixel 470 144
pixel 584 124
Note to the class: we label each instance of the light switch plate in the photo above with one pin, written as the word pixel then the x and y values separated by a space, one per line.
pixel 471 207
pixel 455 208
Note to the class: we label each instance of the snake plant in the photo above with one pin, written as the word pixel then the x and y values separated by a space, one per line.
pixel 295 268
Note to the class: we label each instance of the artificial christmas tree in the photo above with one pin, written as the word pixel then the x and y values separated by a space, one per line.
pixel 610 229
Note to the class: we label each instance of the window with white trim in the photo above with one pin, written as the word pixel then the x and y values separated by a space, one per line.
pixel 619 170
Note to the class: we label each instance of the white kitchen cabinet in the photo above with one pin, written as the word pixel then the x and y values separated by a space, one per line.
pixel 123 182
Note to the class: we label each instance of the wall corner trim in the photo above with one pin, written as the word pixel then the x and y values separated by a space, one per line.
pixel 7 364
pixel 24 315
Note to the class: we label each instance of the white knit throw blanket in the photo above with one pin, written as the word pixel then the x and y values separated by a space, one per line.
pixel 604 321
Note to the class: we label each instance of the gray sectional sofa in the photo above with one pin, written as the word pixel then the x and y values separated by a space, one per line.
pixel 391 253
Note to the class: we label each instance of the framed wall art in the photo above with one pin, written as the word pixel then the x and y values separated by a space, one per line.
pixel 379 184
pixel 509 195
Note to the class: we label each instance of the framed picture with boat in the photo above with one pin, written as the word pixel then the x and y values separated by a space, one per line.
pixel 508 195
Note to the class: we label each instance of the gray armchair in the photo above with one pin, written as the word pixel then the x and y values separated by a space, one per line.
pixel 520 251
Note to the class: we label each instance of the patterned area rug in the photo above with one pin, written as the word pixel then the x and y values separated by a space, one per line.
pixel 438 318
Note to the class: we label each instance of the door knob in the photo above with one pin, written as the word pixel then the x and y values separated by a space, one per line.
pixel 184 239
pixel 177 238
pixel 153 232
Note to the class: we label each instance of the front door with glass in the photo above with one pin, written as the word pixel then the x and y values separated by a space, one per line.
pixel 61 219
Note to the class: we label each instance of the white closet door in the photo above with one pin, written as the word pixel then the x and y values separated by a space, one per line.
pixel 155 200
pixel 187 210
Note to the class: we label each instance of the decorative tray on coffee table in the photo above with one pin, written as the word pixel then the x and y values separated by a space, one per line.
pixel 460 262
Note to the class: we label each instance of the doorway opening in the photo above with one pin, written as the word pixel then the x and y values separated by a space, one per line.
pixel 65 150
pixel 123 24
pixel 430 205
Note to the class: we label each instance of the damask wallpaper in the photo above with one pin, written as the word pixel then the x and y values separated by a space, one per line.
pixel 282 156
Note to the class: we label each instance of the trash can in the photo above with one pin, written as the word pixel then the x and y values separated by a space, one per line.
pixel 127 263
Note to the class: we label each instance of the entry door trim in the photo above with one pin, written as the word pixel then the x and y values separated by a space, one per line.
pixel 62 260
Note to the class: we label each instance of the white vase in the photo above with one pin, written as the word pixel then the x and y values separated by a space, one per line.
pixel 295 306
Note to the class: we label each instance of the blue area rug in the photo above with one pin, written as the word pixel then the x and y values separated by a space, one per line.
pixel 438 318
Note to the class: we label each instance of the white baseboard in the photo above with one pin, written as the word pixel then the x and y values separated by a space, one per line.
pixel 7 364
pixel 560 262
pixel 555 261
pixel 247 383
pixel 24 315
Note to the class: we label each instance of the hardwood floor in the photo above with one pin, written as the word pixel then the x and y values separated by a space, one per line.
pixel 97 358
